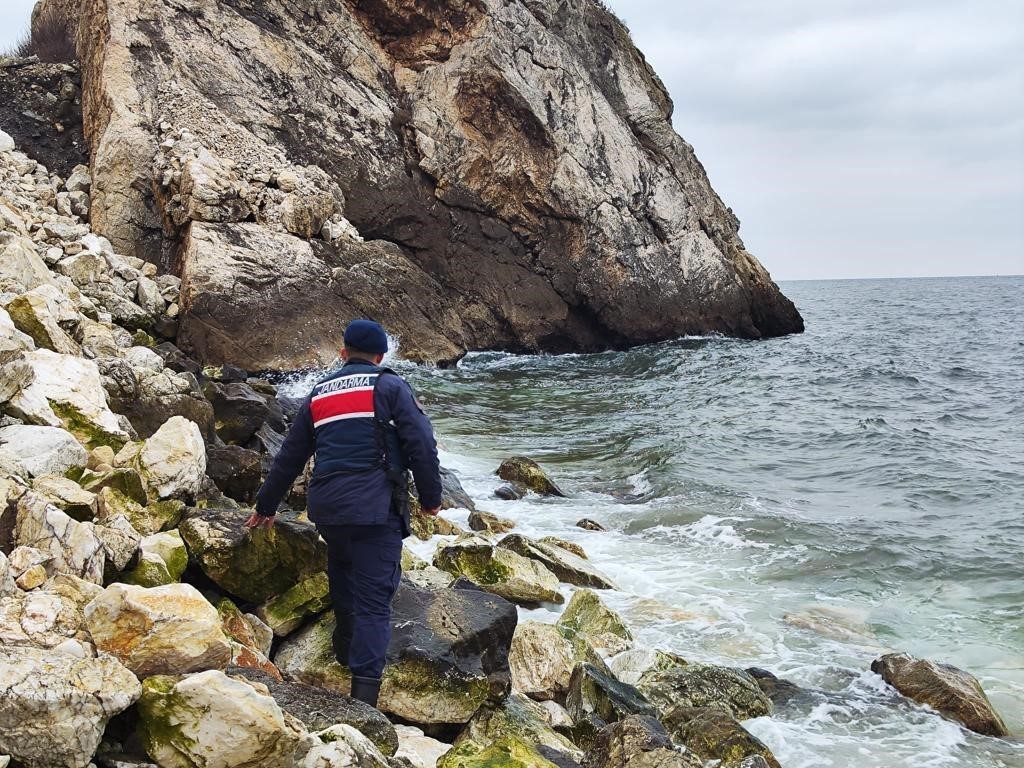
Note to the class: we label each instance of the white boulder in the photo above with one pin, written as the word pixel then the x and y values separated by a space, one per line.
pixel 73 546
pixel 173 459
pixel 55 705
pixel 42 450
pixel 161 630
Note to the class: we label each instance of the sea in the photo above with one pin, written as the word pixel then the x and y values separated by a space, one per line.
pixel 802 504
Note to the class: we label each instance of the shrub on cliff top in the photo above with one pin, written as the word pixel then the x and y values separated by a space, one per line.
pixel 51 40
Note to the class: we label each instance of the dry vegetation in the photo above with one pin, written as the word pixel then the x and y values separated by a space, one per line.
pixel 51 40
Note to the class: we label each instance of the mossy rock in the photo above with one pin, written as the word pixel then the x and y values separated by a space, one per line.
pixel 568 546
pixel 587 616
pixel 169 547
pixel 448 654
pixel 564 564
pixel 489 523
pixel 520 469
pixel 505 753
pixel 411 561
pixel 592 691
pixel 425 527
pixel 704 686
pixel 128 481
pixel 714 734
pixel 150 571
pixel 253 564
pixel 286 612
pixel 88 433
pixel 500 571
pixel 518 718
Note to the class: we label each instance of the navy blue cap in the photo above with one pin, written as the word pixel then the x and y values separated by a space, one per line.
pixel 366 336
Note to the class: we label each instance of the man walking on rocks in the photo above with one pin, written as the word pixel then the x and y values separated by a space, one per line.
pixel 366 430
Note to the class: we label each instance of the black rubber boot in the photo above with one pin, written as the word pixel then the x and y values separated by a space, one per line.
pixel 366 689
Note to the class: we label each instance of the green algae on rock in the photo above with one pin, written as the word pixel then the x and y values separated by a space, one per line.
pixel 254 565
pixel 543 656
pixel 284 613
pixel 704 686
pixel 520 469
pixel 594 693
pixel 216 721
pixel 504 753
pixel 714 734
pixel 500 571
pixel 519 718
pixel 561 562
pixel 588 617
pixel 448 654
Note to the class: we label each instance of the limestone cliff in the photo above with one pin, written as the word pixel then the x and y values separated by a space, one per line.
pixel 473 173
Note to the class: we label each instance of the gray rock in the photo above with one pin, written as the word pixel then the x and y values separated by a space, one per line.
pixel 43 450
pixel 590 204
pixel 704 686
pixel 320 708
pixel 714 734
pixel 592 692
pixel 567 566
pixel 953 692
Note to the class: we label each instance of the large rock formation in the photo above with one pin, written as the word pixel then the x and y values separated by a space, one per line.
pixel 511 165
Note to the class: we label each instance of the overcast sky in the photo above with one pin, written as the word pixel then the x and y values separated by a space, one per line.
pixel 854 138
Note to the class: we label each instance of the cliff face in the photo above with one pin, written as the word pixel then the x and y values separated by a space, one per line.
pixel 509 167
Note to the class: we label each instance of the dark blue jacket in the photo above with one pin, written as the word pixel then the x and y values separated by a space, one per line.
pixel 351 485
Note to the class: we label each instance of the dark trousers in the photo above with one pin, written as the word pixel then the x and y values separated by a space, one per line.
pixel 364 566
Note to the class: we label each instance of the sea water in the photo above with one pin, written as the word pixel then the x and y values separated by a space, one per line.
pixel 802 504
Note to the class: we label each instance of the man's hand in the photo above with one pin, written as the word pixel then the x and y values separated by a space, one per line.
pixel 256 520
pixel 432 512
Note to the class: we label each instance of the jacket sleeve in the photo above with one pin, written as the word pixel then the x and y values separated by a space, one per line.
pixel 416 436
pixel 288 464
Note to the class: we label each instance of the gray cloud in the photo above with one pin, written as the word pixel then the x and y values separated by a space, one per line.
pixel 854 138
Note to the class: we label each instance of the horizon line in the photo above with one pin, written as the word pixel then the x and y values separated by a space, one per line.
pixel 891 277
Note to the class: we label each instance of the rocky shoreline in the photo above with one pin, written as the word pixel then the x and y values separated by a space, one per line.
pixel 140 624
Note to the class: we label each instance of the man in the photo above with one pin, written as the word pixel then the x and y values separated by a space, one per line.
pixel 366 430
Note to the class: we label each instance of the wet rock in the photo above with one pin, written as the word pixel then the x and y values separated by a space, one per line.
pixel 542 659
pixel 590 525
pixel 511 491
pixel 568 546
pixel 953 692
pixel 239 410
pixel 74 547
pixel 520 469
pixel 319 708
pixel 564 564
pixel 519 718
pixel 254 565
pixel 448 654
pixel 56 705
pixel 216 721
pixel 618 744
pixel 714 734
pixel 703 686
pixel 786 693
pixel 158 630
pixel 588 617
pixel 425 527
pixel 486 522
pixel 592 692
pixel 453 495
pixel 500 571
pixel 173 460
pixel 237 471
pixel 43 450
pixel 630 666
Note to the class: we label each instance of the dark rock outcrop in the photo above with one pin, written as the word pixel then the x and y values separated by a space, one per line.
pixel 448 654
pixel 593 693
pixel 42 112
pixel 319 708
pixel 953 692
pixel 714 734
pixel 512 167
